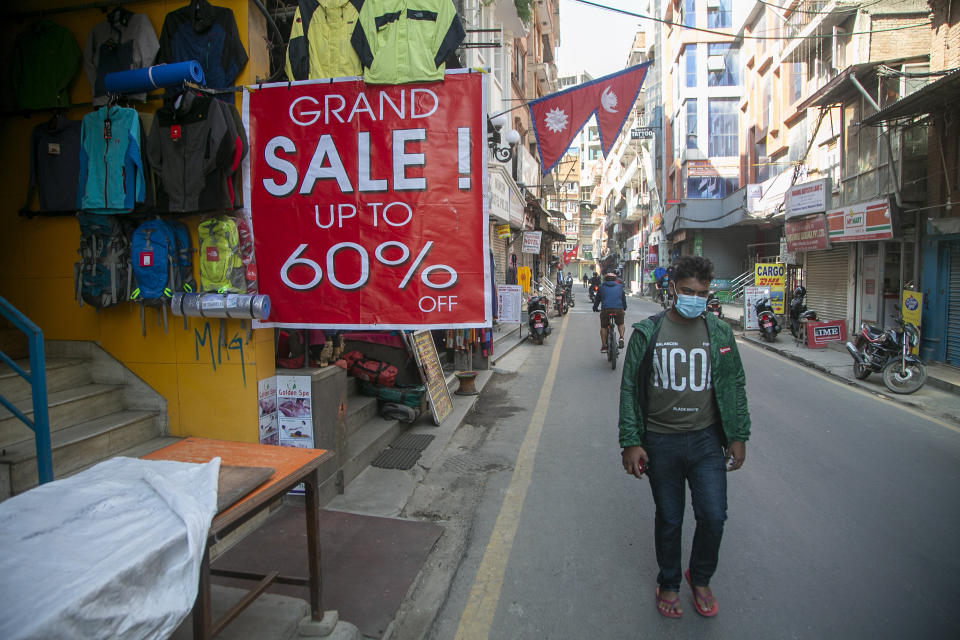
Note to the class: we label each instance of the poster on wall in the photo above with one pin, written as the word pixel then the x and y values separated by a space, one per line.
pixel 531 241
pixel 508 302
pixel 752 295
pixel 773 276
pixel 267 411
pixel 367 203
pixel 295 411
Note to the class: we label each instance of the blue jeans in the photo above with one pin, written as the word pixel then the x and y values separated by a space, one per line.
pixel 675 459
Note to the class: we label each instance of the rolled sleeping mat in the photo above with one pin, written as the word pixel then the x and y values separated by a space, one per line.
pixel 217 305
pixel 156 77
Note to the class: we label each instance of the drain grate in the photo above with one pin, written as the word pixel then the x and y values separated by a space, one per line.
pixel 397 458
pixel 417 441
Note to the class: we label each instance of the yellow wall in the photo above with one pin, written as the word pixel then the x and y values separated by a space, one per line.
pixel 210 391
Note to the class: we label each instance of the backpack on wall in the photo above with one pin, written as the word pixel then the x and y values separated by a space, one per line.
pixel 102 275
pixel 221 265
pixel 184 257
pixel 245 234
pixel 154 262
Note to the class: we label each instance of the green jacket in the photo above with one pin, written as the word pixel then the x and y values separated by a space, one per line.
pixel 729 381
pixel 320 40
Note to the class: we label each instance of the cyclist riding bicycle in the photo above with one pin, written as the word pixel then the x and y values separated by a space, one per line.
pixel 663 287
pixel 612 298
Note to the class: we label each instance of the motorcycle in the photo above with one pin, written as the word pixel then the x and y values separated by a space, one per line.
pixel 799 313
pixel 570 297
pixel 769 326
pixel 888 353
pixel 560 300
pixel 594 289
pixel 713 306
pixel 537 317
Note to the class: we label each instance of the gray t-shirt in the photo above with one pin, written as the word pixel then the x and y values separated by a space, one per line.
pixel 680 389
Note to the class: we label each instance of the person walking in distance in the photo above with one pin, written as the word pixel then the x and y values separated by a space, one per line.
pixel 684 420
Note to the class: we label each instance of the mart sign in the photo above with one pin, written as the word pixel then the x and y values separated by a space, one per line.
pixel 864 221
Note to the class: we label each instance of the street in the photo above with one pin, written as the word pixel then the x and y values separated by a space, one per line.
pixel 842 523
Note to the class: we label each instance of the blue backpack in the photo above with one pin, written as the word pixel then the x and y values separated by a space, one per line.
pixel 153 260
pixel 102 275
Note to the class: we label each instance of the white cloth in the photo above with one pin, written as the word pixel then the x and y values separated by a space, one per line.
pixel 112 552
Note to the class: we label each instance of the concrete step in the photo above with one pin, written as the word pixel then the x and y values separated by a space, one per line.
pixel 367 443
pixel 62 373
pixel 148 446
pixel 360 409
pixel 78 446
pixel 66 407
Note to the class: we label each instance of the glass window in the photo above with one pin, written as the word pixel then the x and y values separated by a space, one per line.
pixel 720 15
pixel 726 76
pixel 690 57
pixel 722 121
pixel 796 81
pixel 689 13
pixel 594 153
pixel 762 167
pixel 593 133
pixel 692 123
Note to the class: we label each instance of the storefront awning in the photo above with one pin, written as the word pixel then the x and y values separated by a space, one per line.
pixel 939 95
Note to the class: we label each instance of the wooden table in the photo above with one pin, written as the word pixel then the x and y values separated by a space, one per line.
pixel 291 467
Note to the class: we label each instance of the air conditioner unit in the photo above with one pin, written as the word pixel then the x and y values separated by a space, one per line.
pixel 715 63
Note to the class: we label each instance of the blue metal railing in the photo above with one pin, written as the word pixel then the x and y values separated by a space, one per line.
pixel 40 425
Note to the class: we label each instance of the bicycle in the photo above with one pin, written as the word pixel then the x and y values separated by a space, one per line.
pixel 613 341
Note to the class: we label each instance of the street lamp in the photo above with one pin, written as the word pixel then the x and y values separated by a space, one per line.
pixel 502 152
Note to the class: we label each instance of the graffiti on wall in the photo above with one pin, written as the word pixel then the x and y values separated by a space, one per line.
pixel 224 346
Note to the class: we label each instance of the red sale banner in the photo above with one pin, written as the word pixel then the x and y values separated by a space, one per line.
pixel 367 203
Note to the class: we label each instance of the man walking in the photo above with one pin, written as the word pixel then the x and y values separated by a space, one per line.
pixel 684 420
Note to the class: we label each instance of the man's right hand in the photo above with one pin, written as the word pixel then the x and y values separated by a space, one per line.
pixel 631 458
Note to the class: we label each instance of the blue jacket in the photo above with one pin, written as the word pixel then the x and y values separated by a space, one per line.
pixel 610 296
pixel 111 171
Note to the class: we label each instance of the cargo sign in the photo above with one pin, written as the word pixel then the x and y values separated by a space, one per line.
pixel 367 203
pixel 865 221
pixel 820 333
pixel 772 276
pixel 807 234
pixel 807 198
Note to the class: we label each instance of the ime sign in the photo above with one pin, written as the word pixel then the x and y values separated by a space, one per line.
pixel 820 333
pixel 367 203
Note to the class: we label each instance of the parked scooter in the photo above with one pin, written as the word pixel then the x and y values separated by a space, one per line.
pixel 888 353
pixel 799 312
pixel 713 305
pixel 560 300
pixel 537 317
pixel 769 326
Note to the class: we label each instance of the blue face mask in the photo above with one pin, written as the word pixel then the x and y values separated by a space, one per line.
pixel 689 307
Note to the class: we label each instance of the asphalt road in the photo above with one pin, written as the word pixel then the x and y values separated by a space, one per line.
pixel 843 523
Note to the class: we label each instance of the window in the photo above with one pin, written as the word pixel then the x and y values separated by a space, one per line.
pixel 796 82
pixel 723 127
pixel 721 65
pixel 593 133
pixel 762 166
pixel 520 67
pixel 688 14
pixel 692 123
pixel 719 14
pixel 594 153
pixel 690 61
pixel 759 29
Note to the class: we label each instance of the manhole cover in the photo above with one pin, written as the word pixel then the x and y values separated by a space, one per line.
pixel 396 459
pixel 415 441
pixel 476 463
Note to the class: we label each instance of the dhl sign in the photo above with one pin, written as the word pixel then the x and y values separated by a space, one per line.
pixel 770 275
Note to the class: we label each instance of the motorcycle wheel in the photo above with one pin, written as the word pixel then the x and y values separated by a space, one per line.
pixel 564 309
pixel 915 378
pixel 860 372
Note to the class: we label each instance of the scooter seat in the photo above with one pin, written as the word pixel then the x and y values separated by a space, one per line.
pixel 873 331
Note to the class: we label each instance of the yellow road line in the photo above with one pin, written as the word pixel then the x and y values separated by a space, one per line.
pixel 477 617
pixel 877 395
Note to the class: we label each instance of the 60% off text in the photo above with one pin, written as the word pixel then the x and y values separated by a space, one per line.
pixel 427 304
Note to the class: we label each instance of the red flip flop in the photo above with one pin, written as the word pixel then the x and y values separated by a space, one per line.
pixel 708 613
pixel 671 613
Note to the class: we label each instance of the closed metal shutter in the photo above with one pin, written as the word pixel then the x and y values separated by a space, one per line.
pixel 953 308
pixel 827 283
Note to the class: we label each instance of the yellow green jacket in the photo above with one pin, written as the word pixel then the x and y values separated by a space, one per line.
pixel 402 41
pixel 320 40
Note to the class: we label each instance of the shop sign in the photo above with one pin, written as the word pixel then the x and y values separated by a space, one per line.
pixel 361 219
pixel 653 255
pixel 809 197
pixel 499 197
pixel 864 221
pixel 641 133
pixel 531 241
pixel 503 231
pixel 267 411
pixel 773 276
pixel 819 334
pixel 751 296
pixel 754 195
pixel 807 234
pixel 698 243
pixel 424 352
pixel 508 302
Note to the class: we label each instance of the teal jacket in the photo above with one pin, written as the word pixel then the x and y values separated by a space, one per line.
pixel 729 381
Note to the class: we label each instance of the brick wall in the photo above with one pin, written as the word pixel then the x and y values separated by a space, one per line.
pixel 902 43
pixel 945 41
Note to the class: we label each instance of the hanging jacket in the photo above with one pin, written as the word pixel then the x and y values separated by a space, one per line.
pixel 124 41
pixel 320 40
pixel 111 169
pixel 45 61
pixel 207 34
pixel 401 41
pixel 191 148
pixel 55 164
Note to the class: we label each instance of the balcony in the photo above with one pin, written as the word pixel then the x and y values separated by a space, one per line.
pixel 546 75
pixel 812 16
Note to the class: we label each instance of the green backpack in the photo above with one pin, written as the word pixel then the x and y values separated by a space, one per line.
pixel 221 265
